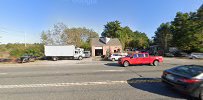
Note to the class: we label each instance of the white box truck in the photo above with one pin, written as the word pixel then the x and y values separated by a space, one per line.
pixel 68 51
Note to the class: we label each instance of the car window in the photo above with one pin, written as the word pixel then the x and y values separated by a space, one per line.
pixel 189 70
pixel 115 54
pixel 135 56
pixel 129 56
pixel 146 55
pixel 140 55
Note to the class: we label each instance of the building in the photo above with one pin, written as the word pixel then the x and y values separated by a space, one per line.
pixel 100 46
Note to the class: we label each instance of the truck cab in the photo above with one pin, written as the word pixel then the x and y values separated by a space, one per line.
pixel 79 53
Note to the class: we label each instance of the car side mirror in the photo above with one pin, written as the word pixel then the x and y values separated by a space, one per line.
pixel 131 57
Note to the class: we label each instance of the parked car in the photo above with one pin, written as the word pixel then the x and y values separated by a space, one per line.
pixel 140 58
pixel 196 56
pixel 186 79
pixel 116 56
pixel 87 54
pixel 27 58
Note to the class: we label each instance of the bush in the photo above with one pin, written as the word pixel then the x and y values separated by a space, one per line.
pixel 17 50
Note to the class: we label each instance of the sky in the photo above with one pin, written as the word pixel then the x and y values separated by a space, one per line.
pixel 23 20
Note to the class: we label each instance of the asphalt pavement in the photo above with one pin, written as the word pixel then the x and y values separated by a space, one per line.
pixel 87 81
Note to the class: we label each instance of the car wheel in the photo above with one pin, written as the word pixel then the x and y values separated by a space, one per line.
pixel 80 58
pixel 113 59
pixel 23 61
pixel 156 63
pixel 201 95
pixel 126 64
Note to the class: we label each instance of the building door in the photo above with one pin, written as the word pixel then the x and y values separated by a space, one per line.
pixel 98 51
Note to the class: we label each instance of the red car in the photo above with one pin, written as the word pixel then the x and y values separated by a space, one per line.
pixel 140 58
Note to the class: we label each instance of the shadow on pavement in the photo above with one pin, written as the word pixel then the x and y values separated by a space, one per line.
pixel 113 64
pixel 154 85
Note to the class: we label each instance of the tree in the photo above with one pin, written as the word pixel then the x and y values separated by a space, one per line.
pixel 180 29
pixel 112 29
pixel 163 36
pixel 56 36
pixel 80 36
pixel 127 37
pixel 187 31
pixel 200 13
pixel 61 35
pixel 138 40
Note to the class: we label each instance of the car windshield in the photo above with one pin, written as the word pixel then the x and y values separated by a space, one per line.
pixel 129 55
pixel 86 52
pixel 189 70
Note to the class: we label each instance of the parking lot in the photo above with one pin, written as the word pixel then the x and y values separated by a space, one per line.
pixel 87 80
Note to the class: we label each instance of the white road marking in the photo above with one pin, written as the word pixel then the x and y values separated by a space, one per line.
pixel 3 73
pixel 110 70
pixel 61 84
pixel 78 84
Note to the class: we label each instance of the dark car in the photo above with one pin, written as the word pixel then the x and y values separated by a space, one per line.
pixel 27 58
pixel 188 79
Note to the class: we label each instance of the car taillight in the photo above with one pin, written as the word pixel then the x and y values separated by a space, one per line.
pixel 190 80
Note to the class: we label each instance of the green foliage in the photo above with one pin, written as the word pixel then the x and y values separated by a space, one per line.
pixel 17 50
pixel 86 46
pixel 127 37
pixel 61 35
pixel 112 29
pixel 79 36
pixel 187 31
pixel 184 32
pixel 163 36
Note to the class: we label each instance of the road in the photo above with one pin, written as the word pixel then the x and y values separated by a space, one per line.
pixel 86 81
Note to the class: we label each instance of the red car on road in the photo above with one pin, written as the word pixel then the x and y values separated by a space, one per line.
pixel 140 58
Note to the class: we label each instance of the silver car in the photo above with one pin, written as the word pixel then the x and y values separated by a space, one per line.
pixel 196 56
pixel 87 54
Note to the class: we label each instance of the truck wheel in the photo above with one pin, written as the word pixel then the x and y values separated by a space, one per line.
pixel 80 58
pixel 201 95
pixel 54 58
pixel 126 64
pixel 156 63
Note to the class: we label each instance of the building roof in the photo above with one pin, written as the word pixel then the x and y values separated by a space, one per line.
pixel 111 42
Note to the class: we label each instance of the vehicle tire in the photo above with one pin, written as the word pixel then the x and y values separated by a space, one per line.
pixel 54 58
pixel 23 61
pixel 156 63
pixel 126 64
pixel 80 58
pixel 113 59
pixel 201 95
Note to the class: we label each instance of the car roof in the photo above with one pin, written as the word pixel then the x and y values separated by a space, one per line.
pixel 194 71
